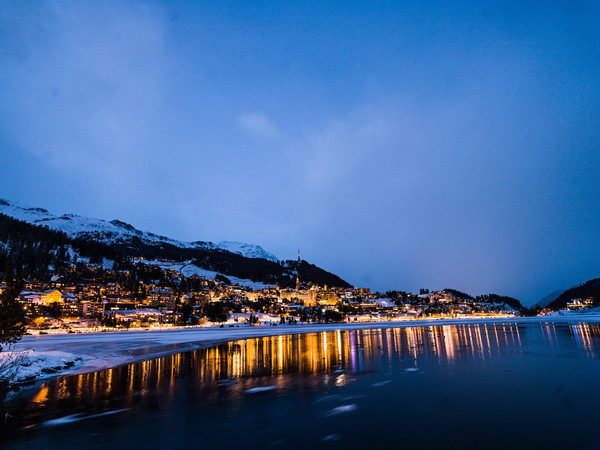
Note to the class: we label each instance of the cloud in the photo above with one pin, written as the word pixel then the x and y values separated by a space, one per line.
pixel 363 145
pixel 89 81
pixel 259 125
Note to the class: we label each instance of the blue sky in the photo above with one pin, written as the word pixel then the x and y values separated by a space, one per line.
pixel 399 145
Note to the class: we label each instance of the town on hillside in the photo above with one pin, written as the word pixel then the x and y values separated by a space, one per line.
pixel 154 294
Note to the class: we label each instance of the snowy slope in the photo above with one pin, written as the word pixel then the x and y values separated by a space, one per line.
pixel 247 250
pixel 187 269
pixel 116 231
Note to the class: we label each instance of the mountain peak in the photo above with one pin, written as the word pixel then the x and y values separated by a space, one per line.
pixel 125 225
pixel 248 250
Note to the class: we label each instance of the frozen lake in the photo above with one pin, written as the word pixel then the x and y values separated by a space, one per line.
pixel 527 385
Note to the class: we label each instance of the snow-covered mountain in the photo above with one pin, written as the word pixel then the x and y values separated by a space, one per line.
pixel 247 250
pixel 117 232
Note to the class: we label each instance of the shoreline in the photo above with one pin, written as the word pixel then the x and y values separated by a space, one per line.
pixel 105 350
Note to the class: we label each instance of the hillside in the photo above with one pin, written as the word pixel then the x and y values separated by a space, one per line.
pixel 117 232
pixel 544 302
pixel 508 302
pixel 503 299
pixel 36 250
pixel 589 289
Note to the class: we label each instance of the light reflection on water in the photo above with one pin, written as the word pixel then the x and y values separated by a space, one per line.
pixel 313 362
pixel 586 337
pixel 307 354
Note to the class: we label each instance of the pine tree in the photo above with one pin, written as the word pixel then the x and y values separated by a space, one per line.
pixel 12 317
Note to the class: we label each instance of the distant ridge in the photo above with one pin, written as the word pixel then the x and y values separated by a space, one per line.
pixel 549 298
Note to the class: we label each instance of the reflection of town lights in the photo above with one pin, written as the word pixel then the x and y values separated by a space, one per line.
pixel 312 353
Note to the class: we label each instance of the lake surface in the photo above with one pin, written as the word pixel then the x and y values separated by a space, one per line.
pixel 456 386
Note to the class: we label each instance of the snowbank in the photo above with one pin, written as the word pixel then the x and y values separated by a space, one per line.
pixel 20 366
pixel 586 313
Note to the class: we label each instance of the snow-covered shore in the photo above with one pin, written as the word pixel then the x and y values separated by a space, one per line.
pixel 57 354
pixel 29 365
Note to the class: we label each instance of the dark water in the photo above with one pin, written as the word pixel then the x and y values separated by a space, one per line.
pixel 467 386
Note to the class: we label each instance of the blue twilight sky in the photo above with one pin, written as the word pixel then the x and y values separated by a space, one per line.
pixel 397 144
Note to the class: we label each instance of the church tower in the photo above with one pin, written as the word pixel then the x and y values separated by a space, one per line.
pixel 297 275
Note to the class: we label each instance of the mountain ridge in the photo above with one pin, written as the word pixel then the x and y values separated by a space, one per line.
pixel 117 231
pixel 31 246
